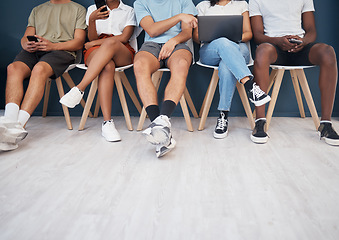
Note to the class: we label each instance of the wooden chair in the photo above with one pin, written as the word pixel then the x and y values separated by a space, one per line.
pixel 61 92
pixel 298 77
pixel 211 91
pixel 156 79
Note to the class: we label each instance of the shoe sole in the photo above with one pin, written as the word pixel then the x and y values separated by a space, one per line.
pixel 13 138
pixel 220 136
pixel 260 140
pixel 111 139
pixel 8 147
pixel 167 150
pixel 331 141
pixel 262 101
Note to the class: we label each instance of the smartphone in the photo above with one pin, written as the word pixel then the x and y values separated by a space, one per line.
pixel 32 39
pixel 100 3
pixel 293 40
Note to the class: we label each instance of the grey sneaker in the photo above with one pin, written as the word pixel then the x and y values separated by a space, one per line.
pixel 72 98
pixel 159 131
pixel 161 150
pixel 327 133
pixel 258 134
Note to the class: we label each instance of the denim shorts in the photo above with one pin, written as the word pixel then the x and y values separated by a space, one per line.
pixel 58 60
pixel 155 48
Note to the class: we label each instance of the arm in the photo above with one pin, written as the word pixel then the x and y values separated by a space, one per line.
pixel 95 15
pixel 260 37
pixel 27 45
pixel 72 45
pixel 155 29
pixel 247 31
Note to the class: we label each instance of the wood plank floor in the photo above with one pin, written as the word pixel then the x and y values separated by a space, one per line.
pixel 72 185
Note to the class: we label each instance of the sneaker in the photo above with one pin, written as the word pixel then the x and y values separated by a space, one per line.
pixel 221 129
pixel 258 134
pixel 4 147
pixel 159 131
pixel 257 96
pixel 72 98
pixel 11 132
pixel 327 133
pixel 109 132
pixel 161 150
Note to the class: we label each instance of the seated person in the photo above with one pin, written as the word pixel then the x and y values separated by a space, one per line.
pixel 275 25
pixel 168 25
pixel 59 26
pixel 231 58
pixel 109 33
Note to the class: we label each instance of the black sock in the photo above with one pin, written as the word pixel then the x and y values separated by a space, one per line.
pixel 248 85
pixel 168 108
pixel 153 112
pixel 225 112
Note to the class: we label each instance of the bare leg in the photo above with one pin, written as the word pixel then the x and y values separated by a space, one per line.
pixel 265 55
pixel 324 56
pixel 145 64
pixel 178 63
pixel 110 49
pixel 16 73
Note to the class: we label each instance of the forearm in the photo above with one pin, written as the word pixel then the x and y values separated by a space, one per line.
pixel 246 36
pixel 183 36
pixel 72 45
pixel 92 31
pixel 155 29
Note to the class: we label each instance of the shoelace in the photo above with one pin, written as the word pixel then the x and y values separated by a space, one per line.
pixel 257 92
pixel 222 122
pixel 260 125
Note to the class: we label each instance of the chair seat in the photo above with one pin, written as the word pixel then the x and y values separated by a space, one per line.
pixel 290 67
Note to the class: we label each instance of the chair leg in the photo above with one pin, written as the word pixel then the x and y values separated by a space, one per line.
pixel 245 103
pixel 308 96
pixel 275 92
pixel 64 108
pixel 156 78
pixel 123 102
pixel 295 82
pixel 208 99
pixel 46 97
pixel 90 98
pixel 215 72
pixel 190 103
pixel 71 84
pixel 186 113
pixel 130 91
pixel 97 108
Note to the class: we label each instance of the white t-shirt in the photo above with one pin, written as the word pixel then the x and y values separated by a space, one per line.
pixel 281 17
pixel 118 19
pixel 233 8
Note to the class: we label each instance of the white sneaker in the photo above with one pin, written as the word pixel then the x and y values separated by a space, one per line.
pixel 109 132
pixel 161 150
pixel 159 131
pixel 11 132
pixel 7 146
pixel 72 98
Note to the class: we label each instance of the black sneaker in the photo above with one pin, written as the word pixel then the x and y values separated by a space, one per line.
pixel 221 129
pixel 258 134
pixel 257 96
pixel 327 132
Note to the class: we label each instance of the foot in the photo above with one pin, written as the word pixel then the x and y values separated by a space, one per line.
pixel 257 96
pixel 161 150
pixel 258 134
pixel 109 132
pixel 159 131
pixel 11 132
pixel 327 133
pixel 72 98
pixel 4 147
pixel 221 129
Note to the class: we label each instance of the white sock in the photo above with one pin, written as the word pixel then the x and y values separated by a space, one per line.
pixel 23 117
pixel 325 121
pixel 12 111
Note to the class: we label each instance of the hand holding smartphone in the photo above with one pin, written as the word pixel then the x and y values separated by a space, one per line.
pixel 293 40
pixel 100 3
pixel 32 39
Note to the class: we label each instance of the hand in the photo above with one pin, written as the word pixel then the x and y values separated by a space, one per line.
pixel 45 45
pixel 167 49
pixel 30 46
pixel 297 47
pixel 95 15
pixel 90 44
pixel 284 44
pixel 189 19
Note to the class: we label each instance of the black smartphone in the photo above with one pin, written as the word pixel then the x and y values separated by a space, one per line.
pixel 100 3
pixel 293 40
pixel 32 39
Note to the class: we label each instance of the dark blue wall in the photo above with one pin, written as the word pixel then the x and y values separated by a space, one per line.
pixel 14 20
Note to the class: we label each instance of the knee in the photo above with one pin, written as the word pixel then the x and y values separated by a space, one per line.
pixel 12 69
pixel 264 54
pixel 39 72
pixel 140 67
pixel 226 43
pixel 327 55
pixel 110 43
pixel 182 65
pixel 109 68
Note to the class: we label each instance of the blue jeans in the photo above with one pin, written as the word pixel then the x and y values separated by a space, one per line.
pixel 231 59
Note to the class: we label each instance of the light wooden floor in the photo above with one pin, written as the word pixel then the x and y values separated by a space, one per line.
pixel 70 185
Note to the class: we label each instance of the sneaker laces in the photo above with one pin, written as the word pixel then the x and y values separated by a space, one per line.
pixel 221 122
pixel 257 92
